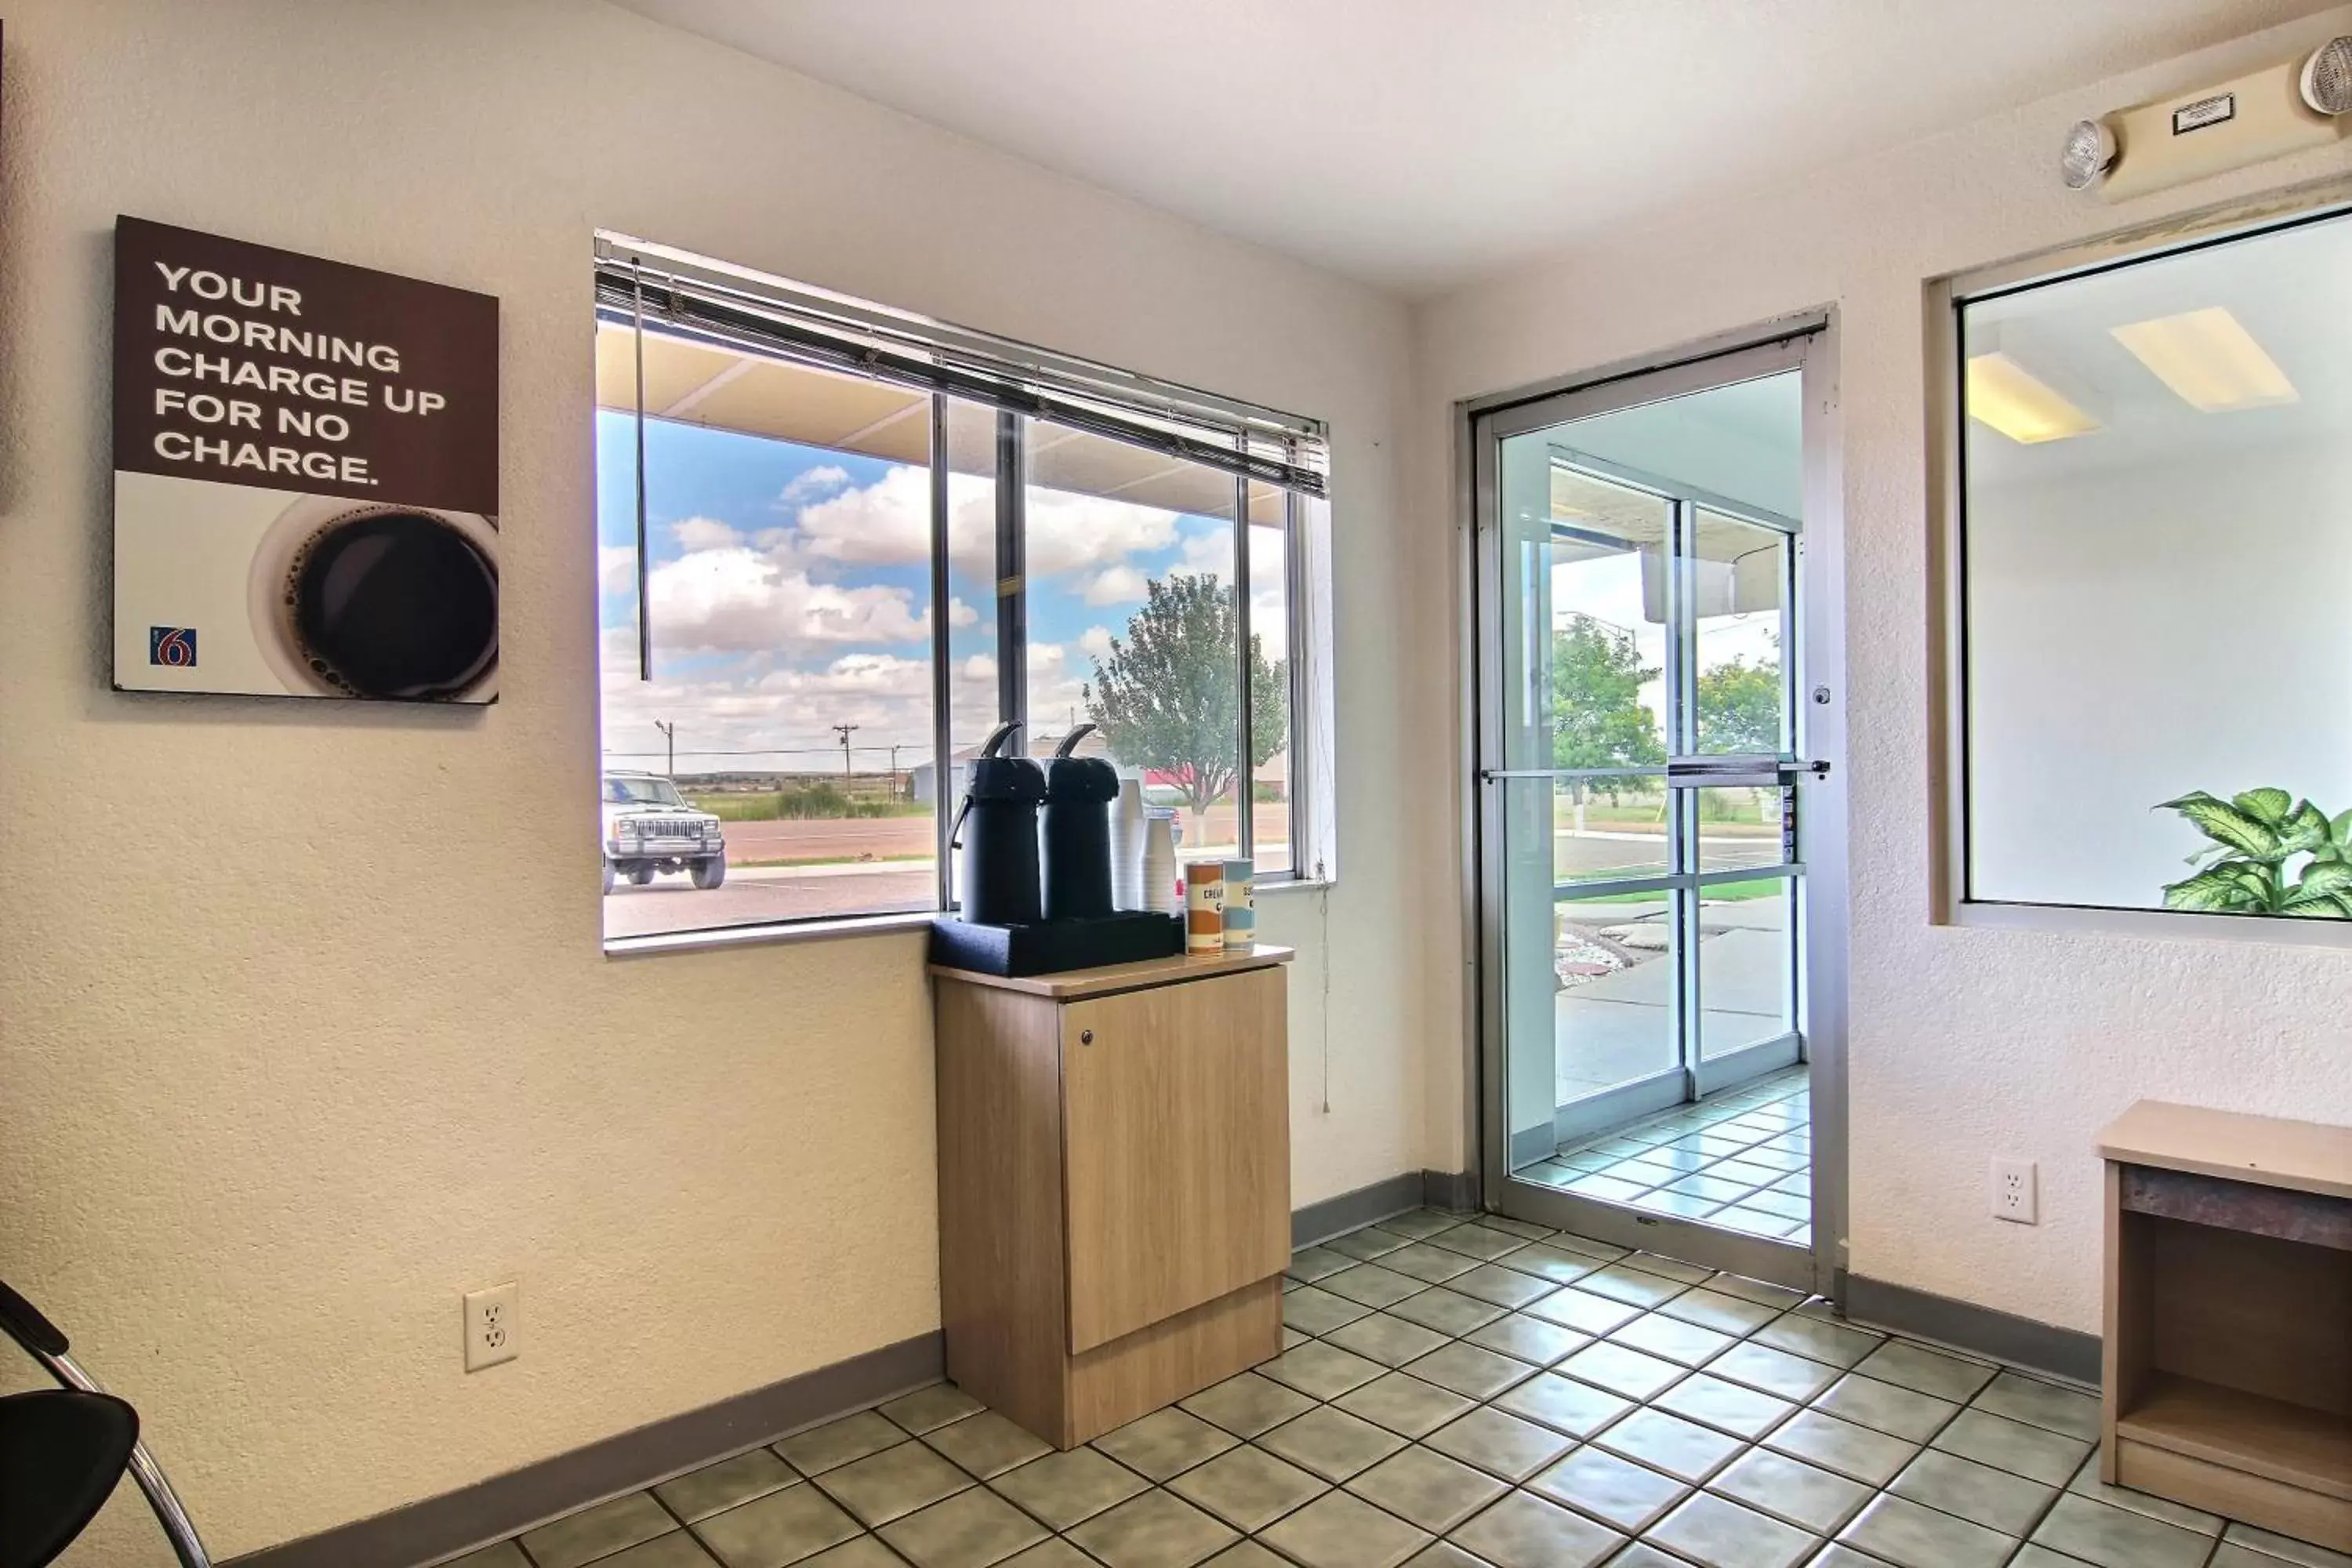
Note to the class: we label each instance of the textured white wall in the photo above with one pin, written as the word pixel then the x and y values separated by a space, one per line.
pixel 1966 1043
pixel 303 1022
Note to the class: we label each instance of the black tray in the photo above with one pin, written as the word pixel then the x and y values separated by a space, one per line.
pixel 1050 947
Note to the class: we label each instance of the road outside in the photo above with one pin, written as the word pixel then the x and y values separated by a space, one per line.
pixel 1611 854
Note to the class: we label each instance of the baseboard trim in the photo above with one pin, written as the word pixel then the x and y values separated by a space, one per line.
pixel 2022 1341
pixel 1350 1211
pixel 1456 1190
pixel 438 1528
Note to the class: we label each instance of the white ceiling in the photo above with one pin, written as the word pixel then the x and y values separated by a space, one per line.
pixel 1418 144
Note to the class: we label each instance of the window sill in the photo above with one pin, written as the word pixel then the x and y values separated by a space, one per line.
pixel 835 930
pixel 763 935
pixel 2175 925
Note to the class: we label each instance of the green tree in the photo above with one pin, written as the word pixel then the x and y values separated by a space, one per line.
pixel 1599 719
pixel 1739 707
pixel 1165 696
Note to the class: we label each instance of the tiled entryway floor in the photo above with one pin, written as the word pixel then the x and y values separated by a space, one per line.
pixel 1459 1392
pixel 1742 1159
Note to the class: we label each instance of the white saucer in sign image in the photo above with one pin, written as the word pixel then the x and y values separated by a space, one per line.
pixel 306 476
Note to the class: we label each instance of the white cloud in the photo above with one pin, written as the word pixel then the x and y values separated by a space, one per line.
pixel 1270 623
pixel 889 523
pixel 1113 585
pixel 811 483
pixel 1209 554
pixel 760 648
pixel 616 570
pixel 732 717
pixel 695 533
pixel 866 675
pixel 886 524
pixel 736 600
pixel 1070 533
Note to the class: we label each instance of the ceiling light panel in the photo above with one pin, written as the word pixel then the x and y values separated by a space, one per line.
pixel 2007 397
pixel 2209 358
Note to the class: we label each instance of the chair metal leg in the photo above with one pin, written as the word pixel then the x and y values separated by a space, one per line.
pixel 178 1528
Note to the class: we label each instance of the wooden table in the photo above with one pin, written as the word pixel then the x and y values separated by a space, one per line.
pixel 1114 1183
pixel 2229 1317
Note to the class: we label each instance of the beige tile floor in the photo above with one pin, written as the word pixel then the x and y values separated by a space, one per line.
pixel 1459 1391
pixel 1742 1159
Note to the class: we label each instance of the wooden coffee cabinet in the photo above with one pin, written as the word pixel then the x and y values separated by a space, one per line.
pixel 1114 1183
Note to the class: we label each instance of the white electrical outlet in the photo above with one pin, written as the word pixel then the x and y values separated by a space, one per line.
pixel 493 1334
pixel 2015 1192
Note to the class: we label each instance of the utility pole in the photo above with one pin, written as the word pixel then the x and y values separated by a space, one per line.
pixel 669 733
pixel 894 770
pixel 843 731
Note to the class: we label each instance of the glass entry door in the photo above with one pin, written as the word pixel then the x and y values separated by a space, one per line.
pixel 1642 814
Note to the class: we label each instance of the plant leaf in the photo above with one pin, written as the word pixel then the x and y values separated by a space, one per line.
pixel 2328 877
pixel 2267 806
pixel 2306 829
pixel 2340 830
pixel 2260 882
pixel 2218 820
pixel 2323 906
pixel 2215 890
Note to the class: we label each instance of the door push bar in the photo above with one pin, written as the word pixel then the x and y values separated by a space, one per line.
pixel 1754 772
pixel 1686 772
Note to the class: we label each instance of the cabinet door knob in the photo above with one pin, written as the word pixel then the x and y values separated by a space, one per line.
pixel 1086 1037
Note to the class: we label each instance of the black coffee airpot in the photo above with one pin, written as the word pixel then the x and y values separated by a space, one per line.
pixel 996 829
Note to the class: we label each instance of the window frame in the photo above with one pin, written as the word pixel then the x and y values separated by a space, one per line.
pixel 1950 902
pixel 1303 522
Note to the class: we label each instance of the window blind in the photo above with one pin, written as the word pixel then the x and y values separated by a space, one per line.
pixel 650 286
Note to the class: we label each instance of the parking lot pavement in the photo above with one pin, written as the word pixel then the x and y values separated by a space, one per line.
pixel 759 895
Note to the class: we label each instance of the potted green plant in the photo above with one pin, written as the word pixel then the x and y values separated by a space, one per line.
pixel 2255 836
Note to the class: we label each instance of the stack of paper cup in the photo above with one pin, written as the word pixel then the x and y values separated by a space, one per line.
pixel 1126 846
pixel 1204 907
pixel 1241 906
pixel 1159 895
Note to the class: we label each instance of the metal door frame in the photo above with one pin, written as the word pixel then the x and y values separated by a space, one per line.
pixel 1806 345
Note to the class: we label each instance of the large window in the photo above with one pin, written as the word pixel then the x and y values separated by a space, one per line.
pixel 839 546
pixel 2155 555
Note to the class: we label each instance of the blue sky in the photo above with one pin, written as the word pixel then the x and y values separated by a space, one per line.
pixel 790 588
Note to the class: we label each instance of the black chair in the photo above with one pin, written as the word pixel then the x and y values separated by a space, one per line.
pixel 62 1450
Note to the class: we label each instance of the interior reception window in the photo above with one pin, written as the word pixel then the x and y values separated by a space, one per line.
pixel 838 546
pixel 2155 551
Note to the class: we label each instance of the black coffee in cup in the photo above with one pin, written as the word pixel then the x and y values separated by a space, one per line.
pixel 395 604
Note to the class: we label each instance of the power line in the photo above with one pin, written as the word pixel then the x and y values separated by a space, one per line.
pixel 775 750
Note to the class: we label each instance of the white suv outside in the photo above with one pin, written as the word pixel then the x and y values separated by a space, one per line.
pixel 649 827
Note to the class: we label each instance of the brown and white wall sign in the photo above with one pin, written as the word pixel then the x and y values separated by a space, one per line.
pixel 306 475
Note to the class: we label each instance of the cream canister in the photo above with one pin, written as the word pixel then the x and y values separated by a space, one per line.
pixel 1204 907
pixel 1241 904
